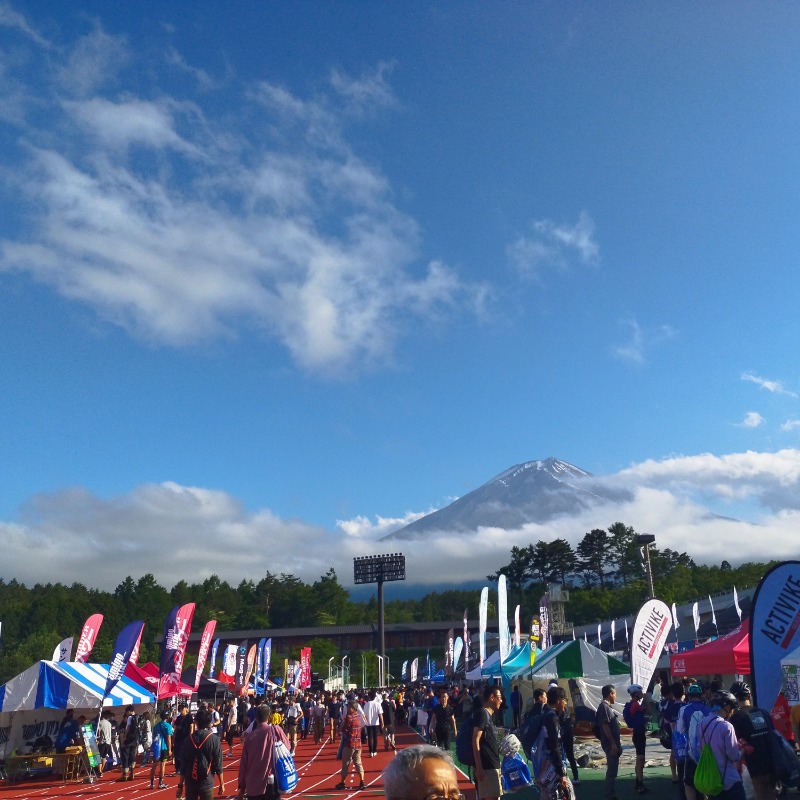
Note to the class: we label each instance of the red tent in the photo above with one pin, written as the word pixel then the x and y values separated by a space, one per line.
pixel 147 676
pixel 728 655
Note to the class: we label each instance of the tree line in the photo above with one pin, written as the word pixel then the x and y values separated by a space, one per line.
pixel 603 572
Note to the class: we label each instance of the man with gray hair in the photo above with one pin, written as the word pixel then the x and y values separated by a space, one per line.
pixel 421 772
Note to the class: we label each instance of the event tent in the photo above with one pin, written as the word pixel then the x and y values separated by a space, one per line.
pixel 518 658
pixel 33 703
pixel 581 668
pixel 728 655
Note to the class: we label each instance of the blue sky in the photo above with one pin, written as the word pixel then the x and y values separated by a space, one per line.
pixel 276 278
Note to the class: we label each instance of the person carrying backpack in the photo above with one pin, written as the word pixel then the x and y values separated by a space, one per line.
pixel 754 727
pixel 688 724
pixel 635 718
pixel 607 726
pixel 129 743
pixel 716 731
pixel 201 759
pixel 554 782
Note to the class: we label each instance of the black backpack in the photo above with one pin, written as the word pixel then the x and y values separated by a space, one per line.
pixel 132 732
pixel 199 766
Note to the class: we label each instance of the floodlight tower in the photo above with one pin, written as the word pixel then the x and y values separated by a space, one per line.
pixel 377 569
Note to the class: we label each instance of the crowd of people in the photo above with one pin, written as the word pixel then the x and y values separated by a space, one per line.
pixel 689 713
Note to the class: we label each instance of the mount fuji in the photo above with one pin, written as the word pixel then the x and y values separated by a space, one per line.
pixel 536 491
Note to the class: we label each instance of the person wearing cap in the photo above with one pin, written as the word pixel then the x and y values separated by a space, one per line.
pixel 754 728
pixel 717 732
pixel 697 708
pixel 636 719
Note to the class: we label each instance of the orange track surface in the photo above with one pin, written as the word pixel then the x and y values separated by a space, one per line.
pixel 316 765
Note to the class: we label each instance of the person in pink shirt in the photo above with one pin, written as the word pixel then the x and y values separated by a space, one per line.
pixel 257 768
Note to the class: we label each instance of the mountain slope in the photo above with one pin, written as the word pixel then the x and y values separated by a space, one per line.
pixel 536 491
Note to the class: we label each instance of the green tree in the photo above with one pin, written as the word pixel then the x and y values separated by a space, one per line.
pixel 624 551
pixel 593 557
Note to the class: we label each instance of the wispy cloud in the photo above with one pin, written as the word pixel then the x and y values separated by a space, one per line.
pixel 635 349
pixel 752 419
pixel 180 228
pixel 9 18
pixel 790 425
pixel 555 244
pixel 775 387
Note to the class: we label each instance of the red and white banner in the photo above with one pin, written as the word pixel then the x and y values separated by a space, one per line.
pixel 134 659
pixel 177 627
pixel 650 631
pixel 228 670
pixel 305 668
pixel 205 644
pixel 249 666
pixel 88 637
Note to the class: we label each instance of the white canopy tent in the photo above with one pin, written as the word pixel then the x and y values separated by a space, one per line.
pixel 33 703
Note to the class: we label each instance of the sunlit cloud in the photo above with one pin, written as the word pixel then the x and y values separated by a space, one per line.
pixel 180 229
pixel 752 419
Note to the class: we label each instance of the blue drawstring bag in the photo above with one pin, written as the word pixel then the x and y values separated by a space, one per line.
pixel 515 773
pixel 285 770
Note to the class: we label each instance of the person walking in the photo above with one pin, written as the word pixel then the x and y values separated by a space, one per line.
pixel 351 744
pixel 129 743
pixel 485 750
pixel 373 712
pixel 443 721
pixel 162 737
pixel 201 760
pixel 717 731
pixel 256 779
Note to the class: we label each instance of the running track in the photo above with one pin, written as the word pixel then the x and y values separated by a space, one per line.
pixel 316 765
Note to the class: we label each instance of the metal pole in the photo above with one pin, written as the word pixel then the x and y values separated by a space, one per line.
pixel 381 639
pixel 649 572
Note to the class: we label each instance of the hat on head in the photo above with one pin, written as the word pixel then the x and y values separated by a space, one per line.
pixel 694 688
pixel 634 687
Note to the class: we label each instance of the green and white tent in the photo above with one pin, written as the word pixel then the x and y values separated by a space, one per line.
pixel 582 669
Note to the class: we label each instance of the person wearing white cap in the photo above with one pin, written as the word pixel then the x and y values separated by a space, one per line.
pixel 635 719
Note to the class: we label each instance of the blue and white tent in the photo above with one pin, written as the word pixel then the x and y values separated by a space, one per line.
pixel 33 703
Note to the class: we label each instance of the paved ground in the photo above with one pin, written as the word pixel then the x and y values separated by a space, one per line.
pixel 317 766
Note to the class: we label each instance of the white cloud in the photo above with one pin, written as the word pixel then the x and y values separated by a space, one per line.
pixel 182 532
pixel 775 387
pixel 790 425
pixel 9 18
pixel 180 228
pixel 554 244
pixel 371 90
pixel 752 419
pixel 635 349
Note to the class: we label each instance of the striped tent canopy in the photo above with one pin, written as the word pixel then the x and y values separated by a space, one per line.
pixel 66 684
pixel 573 659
